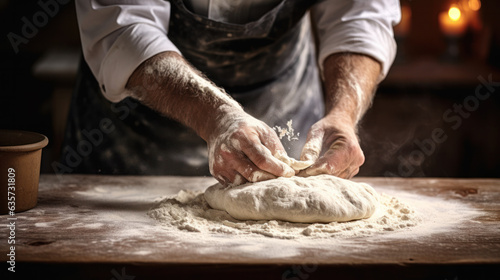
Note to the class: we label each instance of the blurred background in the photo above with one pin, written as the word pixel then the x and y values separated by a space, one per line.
pixel 437 114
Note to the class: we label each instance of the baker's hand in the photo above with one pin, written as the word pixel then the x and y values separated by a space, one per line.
pixel 242 149
pixel 334 147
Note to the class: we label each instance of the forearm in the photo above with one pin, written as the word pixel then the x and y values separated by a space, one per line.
pixel 168 84
pixel 240 148
pixel 350 83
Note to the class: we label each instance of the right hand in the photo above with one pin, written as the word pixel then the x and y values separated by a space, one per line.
pixel 243 149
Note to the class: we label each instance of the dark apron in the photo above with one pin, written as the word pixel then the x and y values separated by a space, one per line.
pixel 268 66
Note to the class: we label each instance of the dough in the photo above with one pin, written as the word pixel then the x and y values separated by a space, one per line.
pixel 296 165
pixel 322 198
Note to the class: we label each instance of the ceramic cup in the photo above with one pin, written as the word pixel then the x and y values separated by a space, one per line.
pixel 20 158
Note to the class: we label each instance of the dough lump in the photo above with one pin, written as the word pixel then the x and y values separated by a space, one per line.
pixel 322 198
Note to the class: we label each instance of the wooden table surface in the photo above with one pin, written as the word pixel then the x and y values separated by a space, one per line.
pixel 96 227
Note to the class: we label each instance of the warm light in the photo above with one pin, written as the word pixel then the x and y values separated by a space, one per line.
pixel 454 13
pixel 474 5
pixel 452 23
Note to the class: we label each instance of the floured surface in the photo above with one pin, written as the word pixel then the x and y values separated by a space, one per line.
pixel 190 211
pixel 104 218
pixel 322 198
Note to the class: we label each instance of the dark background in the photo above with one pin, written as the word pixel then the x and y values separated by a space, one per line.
pixel 36 84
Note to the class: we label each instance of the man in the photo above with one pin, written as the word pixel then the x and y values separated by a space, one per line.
pixel 190 64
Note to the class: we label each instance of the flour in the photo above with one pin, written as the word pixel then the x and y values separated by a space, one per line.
pixel 288 131
pixel 189 211
pixel 172 67
pixel 296 165
pixel 352 81
pixel 240 129
pixel 116 209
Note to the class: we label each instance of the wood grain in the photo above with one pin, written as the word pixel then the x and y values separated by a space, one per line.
pixel 96 227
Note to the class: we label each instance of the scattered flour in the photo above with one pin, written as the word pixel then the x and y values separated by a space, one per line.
pixel 116 211
pixel 189 211
pixel 288 131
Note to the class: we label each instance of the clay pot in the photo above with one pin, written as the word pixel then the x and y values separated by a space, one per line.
pixel 20 158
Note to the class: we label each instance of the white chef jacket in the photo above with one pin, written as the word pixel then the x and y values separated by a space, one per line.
pixel 118 35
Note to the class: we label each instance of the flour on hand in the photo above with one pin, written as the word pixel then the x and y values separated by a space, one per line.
pixel 322 198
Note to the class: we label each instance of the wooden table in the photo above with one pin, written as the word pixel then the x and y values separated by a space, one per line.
pixel 96 227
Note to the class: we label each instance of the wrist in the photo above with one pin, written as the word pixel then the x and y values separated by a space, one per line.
pixel 340 125
pixel 341 118
pixel 219 119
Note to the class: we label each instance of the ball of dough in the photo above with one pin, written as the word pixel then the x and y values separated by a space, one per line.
pixel 322 198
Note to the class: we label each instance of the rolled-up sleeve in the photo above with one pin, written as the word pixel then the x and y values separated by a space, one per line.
pixel 357 26
pixel 117 36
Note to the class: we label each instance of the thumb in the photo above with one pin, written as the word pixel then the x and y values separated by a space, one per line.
pixel 313 145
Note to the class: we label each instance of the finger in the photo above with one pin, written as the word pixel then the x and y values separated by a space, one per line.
pixel 302 173
pixel 259 175
pixel 252 173
pixel 277 150
pixel 320 167
pixel 348 156
pixel 231 178
pixel 269 139
pixel 312 147
pixel 223 180
pixel 324 166
pixel 343 159
pixel 333 162
pixel 346 174
pixel 236 170
pixel 353 173
pixel 228 176
pixel 239 180
pixel 262 157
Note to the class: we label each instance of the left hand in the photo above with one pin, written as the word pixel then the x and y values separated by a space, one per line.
pixel 334 147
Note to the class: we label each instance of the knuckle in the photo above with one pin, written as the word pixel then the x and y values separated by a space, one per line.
pixel 357 153
pixel 238 134
pixel 361 159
